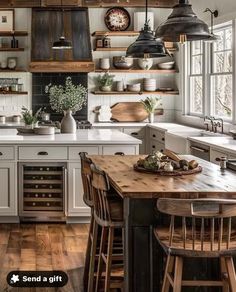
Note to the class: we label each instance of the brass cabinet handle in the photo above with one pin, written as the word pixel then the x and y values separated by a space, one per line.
pixel 120 153
pixel 43 153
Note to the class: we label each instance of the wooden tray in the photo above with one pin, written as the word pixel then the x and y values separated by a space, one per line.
pixel 168 173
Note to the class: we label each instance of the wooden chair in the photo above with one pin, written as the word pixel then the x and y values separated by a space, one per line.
pixel 108 214
pixel 86 176
pixel 208 233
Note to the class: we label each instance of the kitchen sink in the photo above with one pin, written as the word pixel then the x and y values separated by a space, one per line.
pixel 205 134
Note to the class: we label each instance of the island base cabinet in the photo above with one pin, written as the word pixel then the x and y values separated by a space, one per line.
pixel 8 183
pixel 76 205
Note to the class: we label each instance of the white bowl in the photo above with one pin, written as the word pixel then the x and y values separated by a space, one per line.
pixel 166 65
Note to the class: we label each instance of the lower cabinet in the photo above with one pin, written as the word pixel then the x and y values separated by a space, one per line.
pixel 76 205
pixel 156 146
pixel 8 183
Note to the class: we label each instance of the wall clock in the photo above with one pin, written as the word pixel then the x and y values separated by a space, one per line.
pixel 117 19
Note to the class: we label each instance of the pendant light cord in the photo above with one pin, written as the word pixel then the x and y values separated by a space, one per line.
pixel 146 16
pixel 62 20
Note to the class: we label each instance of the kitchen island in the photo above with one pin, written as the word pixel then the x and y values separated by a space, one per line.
pixel 144 259
pixel 20 154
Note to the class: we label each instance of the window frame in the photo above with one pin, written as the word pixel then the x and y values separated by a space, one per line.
pixel 207 73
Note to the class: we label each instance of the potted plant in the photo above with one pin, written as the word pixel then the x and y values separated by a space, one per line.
pixel 67 99
pixel 29 118
pixel 150 104
pixel 105 82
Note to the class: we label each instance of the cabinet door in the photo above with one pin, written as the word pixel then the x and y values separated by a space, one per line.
pixel 156 146
pixel 8 198
pixel 26 3
pixel 76 205
pixel 58 3
pixel 91 3
pixel 5 3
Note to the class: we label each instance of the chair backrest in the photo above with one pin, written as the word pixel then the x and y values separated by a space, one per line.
pixel 86 175
pixel 206 217
pixel 101 187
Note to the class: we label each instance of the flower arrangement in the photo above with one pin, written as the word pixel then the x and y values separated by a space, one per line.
pixel 69 97
pixel 151 103
pixel 30 118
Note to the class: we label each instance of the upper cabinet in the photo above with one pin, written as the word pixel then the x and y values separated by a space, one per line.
pixel 129 3
pixel 19 3
pixel 57 3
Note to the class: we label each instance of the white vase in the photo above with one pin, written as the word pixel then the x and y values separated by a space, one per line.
pixel 68 124
pixel 145 63
pixel 104 63
pixel 151 118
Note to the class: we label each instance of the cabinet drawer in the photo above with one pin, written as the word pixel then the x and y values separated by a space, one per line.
pixel 7 153
pixel 74 151
pixel 135 132
pixel 216 154
pixel 156 146
pixel 112 150
pixel 43 153
pixel 157 135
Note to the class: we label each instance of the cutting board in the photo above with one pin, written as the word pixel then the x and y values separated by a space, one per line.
pixel 128 112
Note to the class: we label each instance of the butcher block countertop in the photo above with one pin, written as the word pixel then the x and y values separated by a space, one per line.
pixel 131 184
pixel 91 136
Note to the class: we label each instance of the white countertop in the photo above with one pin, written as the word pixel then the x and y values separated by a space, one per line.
pixel 93 136
pixel 11 125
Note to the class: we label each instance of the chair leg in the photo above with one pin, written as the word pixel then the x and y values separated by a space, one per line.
pixel 87 255
pixel 231 273
pixel 178 274
pixel 223 270
pixel 109 259
pixel 168 270
pixel 100 260
pixel 93 257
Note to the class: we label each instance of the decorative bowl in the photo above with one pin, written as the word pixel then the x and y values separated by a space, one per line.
pixel 44 130
pixel 123 62
pixel 166 65
pixel 134 87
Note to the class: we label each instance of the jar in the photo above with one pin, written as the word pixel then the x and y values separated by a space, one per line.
pixel 119 86
pixel 99 43
pixel 107 42
pixel 20 87
pixel 14 87
pixel 104 63
pixel 223 161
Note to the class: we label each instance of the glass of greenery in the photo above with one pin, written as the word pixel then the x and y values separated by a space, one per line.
pixel 150 104
pixel 105 81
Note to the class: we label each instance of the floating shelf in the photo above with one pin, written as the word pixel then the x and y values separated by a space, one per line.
pixel 15 33
pixel 135 93
pixel 151 71
pixel 14 93
pixel 12 49
pixel 12 71
pixel 124 49
pixel 116 33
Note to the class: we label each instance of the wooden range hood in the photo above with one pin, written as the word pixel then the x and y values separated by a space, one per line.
pixel 47 27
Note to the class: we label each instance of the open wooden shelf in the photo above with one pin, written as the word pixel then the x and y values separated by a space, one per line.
pixel 12 71
pixel 124 49
pixel 115 33
pixel 135 93
pixel 12 49
pixel 13 92
pixel 15 33
pixel 151 71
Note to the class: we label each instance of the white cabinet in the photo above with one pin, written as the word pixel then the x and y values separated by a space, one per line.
pixel 216 154
pixel 126 149
pixel 76 205
pixel 139 133
pixel 8 183
pixel 156 141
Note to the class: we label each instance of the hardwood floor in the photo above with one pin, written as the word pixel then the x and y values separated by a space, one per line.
pixel 37 247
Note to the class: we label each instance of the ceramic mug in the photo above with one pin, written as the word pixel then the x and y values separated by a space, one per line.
pixel 104 63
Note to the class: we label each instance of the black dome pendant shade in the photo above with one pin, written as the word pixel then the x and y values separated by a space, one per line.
pixel 183 25
pixel 62 43
pixel 147 45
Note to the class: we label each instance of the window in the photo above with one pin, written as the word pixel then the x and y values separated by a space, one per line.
pixel 210 78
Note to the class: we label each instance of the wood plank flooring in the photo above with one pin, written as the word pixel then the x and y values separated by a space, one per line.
pixel 37 247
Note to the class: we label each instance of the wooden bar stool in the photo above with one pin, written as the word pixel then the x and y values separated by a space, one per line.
pixel 108 214
pixel 208 233
pixel 86 176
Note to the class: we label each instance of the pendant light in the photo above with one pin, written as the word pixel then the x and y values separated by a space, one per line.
pixel 147 45
pixel 213 37
pixel 62 43
pixel 183 25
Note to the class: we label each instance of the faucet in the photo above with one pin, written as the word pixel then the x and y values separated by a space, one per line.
pixel 219 123
pixel 211 119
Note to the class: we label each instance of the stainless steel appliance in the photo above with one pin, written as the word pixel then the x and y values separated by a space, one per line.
pixel 200 150
pixel 42 191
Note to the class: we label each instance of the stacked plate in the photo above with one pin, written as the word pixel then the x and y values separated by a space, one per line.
pixel 149 84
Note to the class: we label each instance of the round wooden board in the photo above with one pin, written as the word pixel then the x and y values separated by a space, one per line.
pixel 167 173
